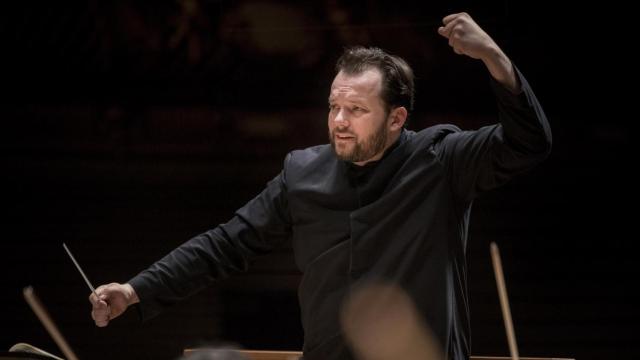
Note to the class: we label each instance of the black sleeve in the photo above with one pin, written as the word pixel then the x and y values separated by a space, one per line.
pixel 255 229
pixel 483 159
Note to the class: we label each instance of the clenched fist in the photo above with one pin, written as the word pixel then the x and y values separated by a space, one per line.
pixel 113 299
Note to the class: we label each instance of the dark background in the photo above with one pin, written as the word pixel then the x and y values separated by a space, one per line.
pixel 128 127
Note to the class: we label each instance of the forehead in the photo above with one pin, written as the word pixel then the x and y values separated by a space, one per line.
pixel 366 84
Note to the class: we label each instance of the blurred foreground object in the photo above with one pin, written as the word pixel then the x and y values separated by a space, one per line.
pixel 381 323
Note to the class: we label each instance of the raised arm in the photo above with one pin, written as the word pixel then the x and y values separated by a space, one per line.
pixel 483 159
pixel 466 37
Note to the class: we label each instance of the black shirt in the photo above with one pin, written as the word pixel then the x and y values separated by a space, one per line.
pixel 402 219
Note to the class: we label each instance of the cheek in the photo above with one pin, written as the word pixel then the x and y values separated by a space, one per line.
pixel 330 122
pixel 366 127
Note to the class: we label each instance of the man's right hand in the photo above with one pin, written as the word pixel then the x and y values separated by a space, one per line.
pixel 113 299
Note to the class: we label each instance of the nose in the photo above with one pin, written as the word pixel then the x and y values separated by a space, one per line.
pixel 341 119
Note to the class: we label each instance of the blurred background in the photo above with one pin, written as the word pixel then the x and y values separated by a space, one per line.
pixel 127 127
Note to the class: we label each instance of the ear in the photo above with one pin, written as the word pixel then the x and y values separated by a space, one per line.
pixel 397 118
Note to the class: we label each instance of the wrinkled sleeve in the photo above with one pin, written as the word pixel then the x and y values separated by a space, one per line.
pixel 486 158
pixel 255 229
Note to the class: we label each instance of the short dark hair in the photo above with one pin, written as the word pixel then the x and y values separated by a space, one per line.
pixel 397 76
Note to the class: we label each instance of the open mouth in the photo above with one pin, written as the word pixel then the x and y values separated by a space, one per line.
pixel 344 137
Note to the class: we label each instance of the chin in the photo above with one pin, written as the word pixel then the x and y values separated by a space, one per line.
pixel 342 155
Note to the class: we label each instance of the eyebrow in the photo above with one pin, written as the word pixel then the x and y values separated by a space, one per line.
pixel 355 99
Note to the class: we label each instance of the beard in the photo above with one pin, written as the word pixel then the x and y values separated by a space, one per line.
pixel 360 150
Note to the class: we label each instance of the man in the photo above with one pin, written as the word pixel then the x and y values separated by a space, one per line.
pixel 379 203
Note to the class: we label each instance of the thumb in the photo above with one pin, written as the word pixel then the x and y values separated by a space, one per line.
pixel 442 31
pixel 99 294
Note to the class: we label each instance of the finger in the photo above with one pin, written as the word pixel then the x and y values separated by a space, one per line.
pixel 447 29
pixel 100 291
pixel 452 41
pixel 455 34
pixel 98 304
pixel 101 315
pixel 449 18
pixel 457 16
pixel 101 308
pixel 93 299
pixel 102 323
pixel 461 15
pixel 458 32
